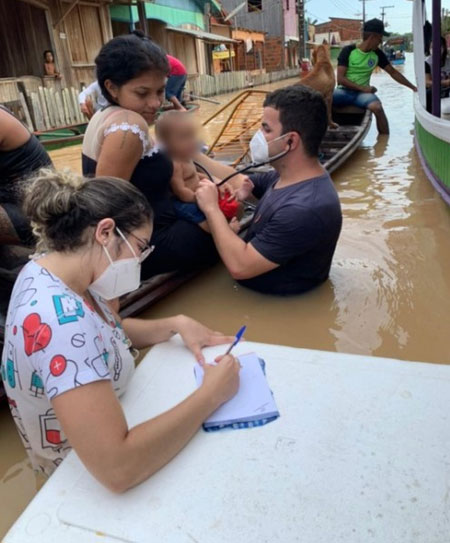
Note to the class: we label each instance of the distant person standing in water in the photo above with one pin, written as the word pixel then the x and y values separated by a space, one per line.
pixel 176 82
pixel 355 66
pixel 50 66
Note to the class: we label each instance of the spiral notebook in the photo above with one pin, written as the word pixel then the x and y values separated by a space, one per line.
pixel 253 405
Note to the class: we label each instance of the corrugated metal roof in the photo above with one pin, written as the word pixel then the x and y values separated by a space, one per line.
pixel 201 34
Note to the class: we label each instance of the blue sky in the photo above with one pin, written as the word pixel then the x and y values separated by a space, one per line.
pixel 399 18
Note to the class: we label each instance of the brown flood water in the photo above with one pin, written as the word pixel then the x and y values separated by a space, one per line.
pixel 389 289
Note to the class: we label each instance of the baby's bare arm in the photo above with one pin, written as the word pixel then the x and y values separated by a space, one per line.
pixel 178 184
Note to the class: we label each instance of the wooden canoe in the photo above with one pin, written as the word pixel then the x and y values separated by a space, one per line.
pixel 241 118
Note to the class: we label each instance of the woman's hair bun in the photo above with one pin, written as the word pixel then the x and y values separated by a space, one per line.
pixel 62 205
pixel 51 196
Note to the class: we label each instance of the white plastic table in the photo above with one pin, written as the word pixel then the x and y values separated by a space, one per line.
pixel 360 453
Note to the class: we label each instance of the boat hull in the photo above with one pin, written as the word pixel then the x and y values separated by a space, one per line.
pixel 432 140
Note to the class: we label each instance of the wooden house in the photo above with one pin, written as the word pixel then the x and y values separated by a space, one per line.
pixel 279 22
pixel 74 29
pixel 185 28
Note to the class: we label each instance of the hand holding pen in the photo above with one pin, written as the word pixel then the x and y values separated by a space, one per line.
pixel 223 377
pixel 237 339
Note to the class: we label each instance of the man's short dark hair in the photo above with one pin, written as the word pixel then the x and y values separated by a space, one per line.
pixel 302 110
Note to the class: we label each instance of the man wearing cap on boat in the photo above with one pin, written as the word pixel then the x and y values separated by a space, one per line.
pixel 289 246
pixel 355 66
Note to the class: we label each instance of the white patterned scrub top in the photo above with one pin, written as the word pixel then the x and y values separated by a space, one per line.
pixel 54 342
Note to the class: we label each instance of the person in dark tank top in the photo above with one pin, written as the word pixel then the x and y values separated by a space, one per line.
pixel 21 154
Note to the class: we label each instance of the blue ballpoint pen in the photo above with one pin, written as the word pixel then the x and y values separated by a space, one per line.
pixel 236 340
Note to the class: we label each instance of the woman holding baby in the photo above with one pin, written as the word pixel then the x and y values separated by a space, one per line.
pixel 132 74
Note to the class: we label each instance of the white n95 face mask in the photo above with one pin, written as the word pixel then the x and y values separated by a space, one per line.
pixel 120 277
pixel 259 148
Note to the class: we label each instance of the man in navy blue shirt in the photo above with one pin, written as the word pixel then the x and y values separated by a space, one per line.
pixel 290 244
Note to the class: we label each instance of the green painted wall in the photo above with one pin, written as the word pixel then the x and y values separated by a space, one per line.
pixel 122 13
pixel 436 153
pixel 168 14
pixel 174 16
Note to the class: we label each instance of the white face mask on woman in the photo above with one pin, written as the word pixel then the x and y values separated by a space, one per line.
pixel 120 277
pixel 259 148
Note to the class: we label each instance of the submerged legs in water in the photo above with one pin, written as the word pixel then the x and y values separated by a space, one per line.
pixel 382 123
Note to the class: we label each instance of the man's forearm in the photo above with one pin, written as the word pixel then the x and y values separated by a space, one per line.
pixel 400 78
pixel 229 245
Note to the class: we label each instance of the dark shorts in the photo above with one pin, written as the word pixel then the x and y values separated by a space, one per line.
pixel 348 97
pixel 175 85
pixel 189 212
pixel 181 246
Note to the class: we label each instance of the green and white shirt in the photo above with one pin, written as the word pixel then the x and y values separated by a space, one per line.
pixel 360 64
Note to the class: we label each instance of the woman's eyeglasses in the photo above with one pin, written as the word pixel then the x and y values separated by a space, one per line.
pixel 147 249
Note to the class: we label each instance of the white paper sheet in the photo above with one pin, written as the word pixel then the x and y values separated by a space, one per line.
pixel 254 400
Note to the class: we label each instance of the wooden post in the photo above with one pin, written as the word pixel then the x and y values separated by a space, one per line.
pixel 66 105
pixel 436 60
pixel 142 17
pixel 301 29
pixel 45 114
pixel 39 121
pixel 26 112
pixel 50 105
pixel 59 105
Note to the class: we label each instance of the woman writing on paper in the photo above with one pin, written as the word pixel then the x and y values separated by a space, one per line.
pixel 68 356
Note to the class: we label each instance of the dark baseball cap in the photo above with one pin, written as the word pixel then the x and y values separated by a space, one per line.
pixel 375 26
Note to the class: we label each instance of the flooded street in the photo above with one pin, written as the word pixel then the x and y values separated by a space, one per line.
pixel 389 290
